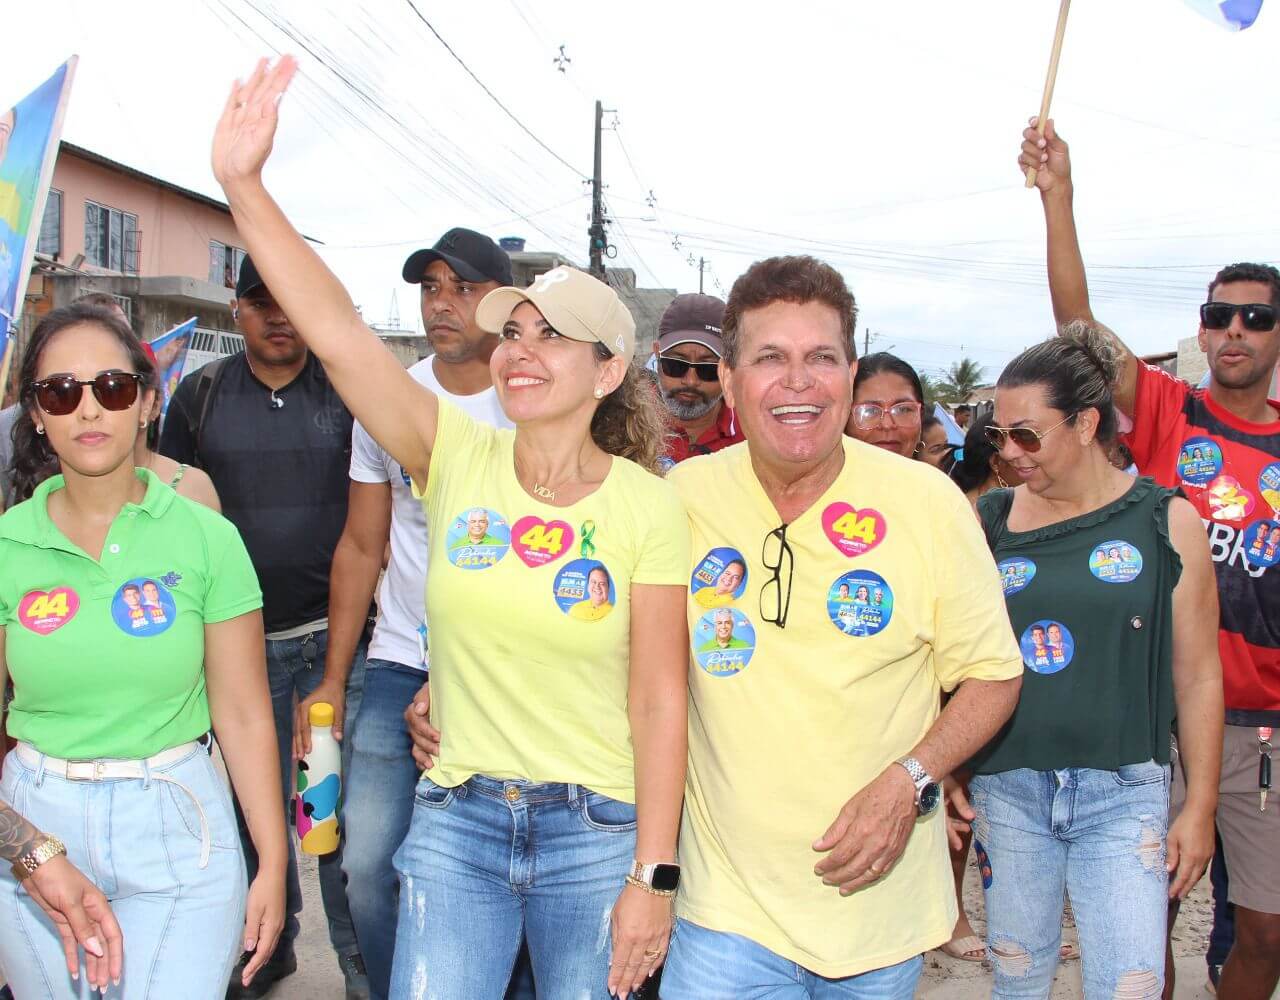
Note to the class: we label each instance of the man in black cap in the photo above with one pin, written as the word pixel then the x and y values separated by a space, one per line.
pixel 454 276
pixel 688 352
pixel 275 438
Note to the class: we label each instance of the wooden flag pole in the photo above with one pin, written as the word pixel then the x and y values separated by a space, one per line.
pixel 1050 79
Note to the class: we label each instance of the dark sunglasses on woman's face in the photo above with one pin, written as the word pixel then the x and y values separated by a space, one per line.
pixel 1256 316
pixel 59 395
pixel 707 371
pixel 1026 438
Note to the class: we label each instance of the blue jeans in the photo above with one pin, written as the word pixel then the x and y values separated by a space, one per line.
pixel 139 841
pixel 1100 835
pixel 714 965
pixel 491 861
pixel 378 806
pixel 291 677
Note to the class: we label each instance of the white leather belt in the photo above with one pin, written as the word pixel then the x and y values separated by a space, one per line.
pixel 109 770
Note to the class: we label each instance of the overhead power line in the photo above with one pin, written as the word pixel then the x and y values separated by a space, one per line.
pixel 494 97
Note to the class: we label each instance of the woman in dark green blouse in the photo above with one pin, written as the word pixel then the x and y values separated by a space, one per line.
pixel 1110 590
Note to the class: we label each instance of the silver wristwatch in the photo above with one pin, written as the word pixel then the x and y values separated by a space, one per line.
pixel 928 791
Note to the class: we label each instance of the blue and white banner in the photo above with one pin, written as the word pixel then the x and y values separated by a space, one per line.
pixel 170 350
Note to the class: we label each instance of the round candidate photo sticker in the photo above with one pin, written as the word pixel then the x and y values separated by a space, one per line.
pixel 1262 543
pixel 723 642
pixel 1269 486
pixel 1016 575
pixel 1199 460
pixel 720 578
pixel 1116 562
pixel 1047 646
pixel 584 590
pixel 860 603
pixel 478 538
pixel 143 607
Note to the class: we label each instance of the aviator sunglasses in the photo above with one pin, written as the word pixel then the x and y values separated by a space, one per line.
pixel 1026 438
pixel 707 371
pixel 1256 316
pixel 59 395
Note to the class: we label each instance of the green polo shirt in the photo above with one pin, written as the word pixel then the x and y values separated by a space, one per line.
pixel 107 655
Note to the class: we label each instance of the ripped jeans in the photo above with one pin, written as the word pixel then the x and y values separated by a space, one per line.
pixel 1101 836
pixel 492 861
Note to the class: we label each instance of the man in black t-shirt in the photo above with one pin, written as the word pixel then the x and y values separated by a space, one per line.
pixel 275 438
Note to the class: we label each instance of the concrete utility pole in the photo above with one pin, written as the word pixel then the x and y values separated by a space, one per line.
pixel 596 245
pixel 702 263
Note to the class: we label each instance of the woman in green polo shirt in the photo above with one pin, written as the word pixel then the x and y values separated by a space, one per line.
pixel 1074 792
pixel 130 623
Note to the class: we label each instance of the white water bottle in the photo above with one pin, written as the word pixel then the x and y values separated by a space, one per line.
pixel 318 800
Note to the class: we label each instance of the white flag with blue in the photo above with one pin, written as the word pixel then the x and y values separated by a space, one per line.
pixel 1234 15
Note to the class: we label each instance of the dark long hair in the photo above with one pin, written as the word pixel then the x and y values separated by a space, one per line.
pixel 881 363
pixel 33 460
pixel 973 461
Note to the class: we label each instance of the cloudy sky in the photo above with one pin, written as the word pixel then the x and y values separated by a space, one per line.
pixel 879 136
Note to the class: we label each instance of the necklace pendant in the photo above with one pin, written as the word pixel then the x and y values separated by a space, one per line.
pixel 543 492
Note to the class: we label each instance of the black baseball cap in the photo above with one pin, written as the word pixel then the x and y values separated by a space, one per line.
pixel 472 256
pixel 249 278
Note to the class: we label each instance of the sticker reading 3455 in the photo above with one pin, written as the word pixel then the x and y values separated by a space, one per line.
pixel 724 640
pixel 478 538
pixel 719 579
pixel 860 603
pixel 44 612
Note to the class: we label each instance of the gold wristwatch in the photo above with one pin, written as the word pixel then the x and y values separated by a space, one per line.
pixel 27 864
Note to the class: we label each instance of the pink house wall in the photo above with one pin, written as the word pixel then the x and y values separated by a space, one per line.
pixel 175 230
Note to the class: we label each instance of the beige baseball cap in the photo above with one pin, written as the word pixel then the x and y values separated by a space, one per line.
pixel 577 305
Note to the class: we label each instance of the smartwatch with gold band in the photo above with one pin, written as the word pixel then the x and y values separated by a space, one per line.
pixel 661 878
pixel 27 864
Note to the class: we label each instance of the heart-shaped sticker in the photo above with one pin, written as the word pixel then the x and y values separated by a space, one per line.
pixel 854 532
pixel 47 611
pixel 538 542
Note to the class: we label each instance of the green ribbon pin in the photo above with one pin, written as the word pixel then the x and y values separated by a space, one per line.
pixel 588 532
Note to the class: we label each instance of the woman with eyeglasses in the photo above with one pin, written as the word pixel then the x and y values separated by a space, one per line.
pixel 887 402
pixel 1074 793
pixel 130 624
pixel 551 807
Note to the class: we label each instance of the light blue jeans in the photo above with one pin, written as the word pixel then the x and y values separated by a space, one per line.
pixel 139 842
pixel 714 965
pixel 491 861
pixel 1100 835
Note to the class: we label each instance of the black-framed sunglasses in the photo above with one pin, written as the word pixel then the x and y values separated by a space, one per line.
pixel 59 395
pixel 707 371
pixel 775 555
pixel 1256 316
pixel 1026 438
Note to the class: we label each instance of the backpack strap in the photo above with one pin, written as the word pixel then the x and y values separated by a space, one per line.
pixel 210 377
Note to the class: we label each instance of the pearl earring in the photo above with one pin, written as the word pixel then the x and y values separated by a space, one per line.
pixel 599 393
pixel 39 430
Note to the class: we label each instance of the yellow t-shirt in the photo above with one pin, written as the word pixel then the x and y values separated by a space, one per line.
pixel 845 689
pixel 523 683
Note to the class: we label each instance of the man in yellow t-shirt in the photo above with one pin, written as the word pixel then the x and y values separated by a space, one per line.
pixel 818 868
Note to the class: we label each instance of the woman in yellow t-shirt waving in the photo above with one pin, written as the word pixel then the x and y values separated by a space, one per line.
pixel 558 633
